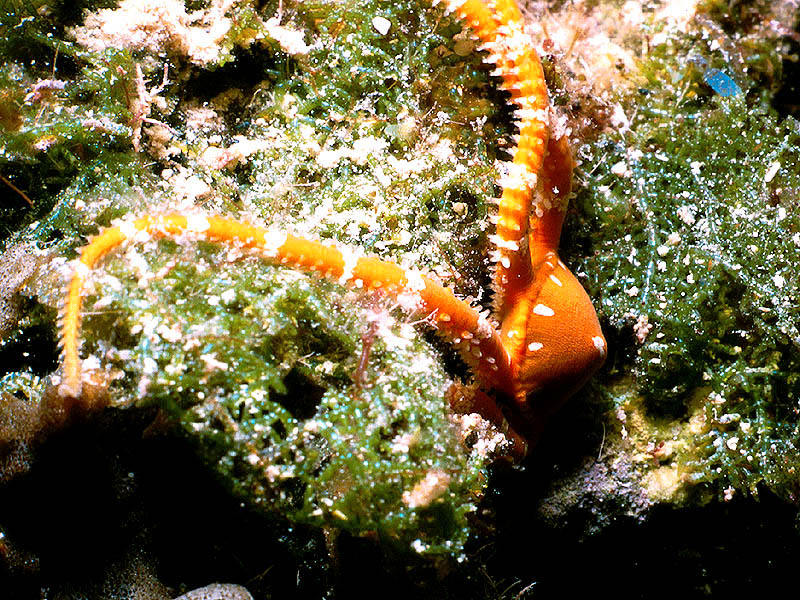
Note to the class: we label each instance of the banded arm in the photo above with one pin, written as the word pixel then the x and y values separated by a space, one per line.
pixel 500 28
pixel 471 332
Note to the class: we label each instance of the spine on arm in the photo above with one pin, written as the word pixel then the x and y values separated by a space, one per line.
pixel 455 319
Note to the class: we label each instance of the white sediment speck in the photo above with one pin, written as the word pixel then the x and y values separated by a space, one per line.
pixel 772 171
pixel 619 168
pixel 149 366
pixel 686 214
pixel 381 25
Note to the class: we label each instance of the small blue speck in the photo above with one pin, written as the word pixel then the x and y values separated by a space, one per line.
pixel 721 83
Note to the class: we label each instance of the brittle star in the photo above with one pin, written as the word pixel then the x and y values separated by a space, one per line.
pixel 546 340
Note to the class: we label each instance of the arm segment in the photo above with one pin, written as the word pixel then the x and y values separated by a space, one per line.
pixel 474 336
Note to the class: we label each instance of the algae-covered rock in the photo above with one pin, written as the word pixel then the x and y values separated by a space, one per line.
pixel 317 403
pixel 291 387
pixel 375 124
pixel 701 186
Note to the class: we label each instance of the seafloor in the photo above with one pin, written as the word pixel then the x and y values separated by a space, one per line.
pixel 254 426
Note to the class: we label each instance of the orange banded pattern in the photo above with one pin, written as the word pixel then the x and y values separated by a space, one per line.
pixel 477 339
pixel 501 30
pixel 548 341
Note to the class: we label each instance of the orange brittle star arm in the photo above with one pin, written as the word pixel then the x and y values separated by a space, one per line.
pixel 548 324
pixel 471 332
pixel 500 28
pixel 549 340
pixel 550 329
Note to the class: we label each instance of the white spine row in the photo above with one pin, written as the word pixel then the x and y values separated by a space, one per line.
pixel 271 247
pixel 510 44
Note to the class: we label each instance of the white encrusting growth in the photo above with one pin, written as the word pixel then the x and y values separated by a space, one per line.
pixel 414 281
pixel 211 362
pixel 128 229
pixel 600 344
pixel 351 258
pixel 518 177
pixel 512 245
pixel 530 114
pixel 485 327
pixel 81 270
pixel 290 40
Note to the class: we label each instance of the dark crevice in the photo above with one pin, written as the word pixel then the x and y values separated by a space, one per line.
pixel 32 349
pixel 305 395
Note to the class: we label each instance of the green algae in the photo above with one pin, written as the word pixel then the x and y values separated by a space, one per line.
pixel 291 388
pixel 56 131
pixel 386 142
pixel 702 190
pixel 257 363
pixel 383 141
